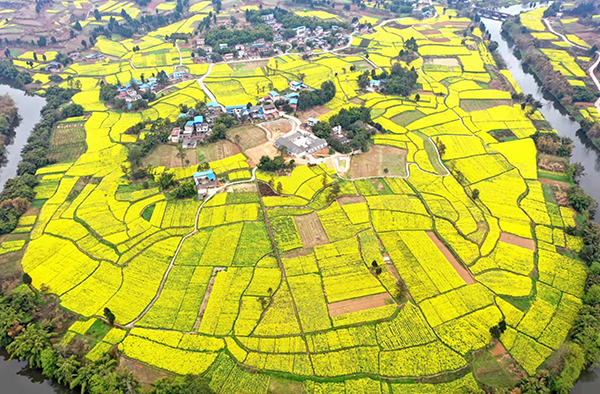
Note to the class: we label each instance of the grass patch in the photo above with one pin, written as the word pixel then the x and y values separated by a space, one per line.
pixel 503 135
pixel 147 214
pixel 523 304
pixel 67 141
pixel 406 118
pixel 98 330
pixel 555 176
pixel 491 372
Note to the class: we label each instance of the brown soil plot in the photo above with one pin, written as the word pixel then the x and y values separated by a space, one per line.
pixel 462 271
pixel 359 304
pixel 311 230
pixel 518 241
pixel 376 160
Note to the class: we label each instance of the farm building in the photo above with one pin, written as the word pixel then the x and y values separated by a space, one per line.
pixel 300 144
pixel 205 180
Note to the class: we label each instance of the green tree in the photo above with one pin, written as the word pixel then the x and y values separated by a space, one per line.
pixel 109 316
pixel 67 370
pixel 181 155
pixel 49 361
pixel 30 344
pixel 166 180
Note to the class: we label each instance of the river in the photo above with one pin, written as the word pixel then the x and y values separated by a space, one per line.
pixel 29 110
pixel 583 152
pixel 15 376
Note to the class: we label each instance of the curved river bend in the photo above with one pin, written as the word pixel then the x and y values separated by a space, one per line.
pixel 17 378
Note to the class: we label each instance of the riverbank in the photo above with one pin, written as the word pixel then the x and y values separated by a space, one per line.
pixel 577 99
pixel 558 118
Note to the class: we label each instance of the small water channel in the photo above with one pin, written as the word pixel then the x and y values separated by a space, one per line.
pixel 583 152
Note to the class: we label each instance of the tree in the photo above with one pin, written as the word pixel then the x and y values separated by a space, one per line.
pixel 109 316
pixel 498 329
pixel 30 344
pixel 185 189
pixel 475 194
pixel 27 279
pixel 592 296
pixel 181 153
pixel 49 361
pixel 417 97
pixel 77 26
pixel 67 370
pixel 166 180
pixel 84 43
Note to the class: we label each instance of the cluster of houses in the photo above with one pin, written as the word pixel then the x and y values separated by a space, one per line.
pixel 132 91
pixel 197 128
pixel 317 36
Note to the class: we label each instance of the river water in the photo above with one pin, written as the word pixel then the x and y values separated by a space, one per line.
pixel 29 110
pixel 583 152
pixel 15 376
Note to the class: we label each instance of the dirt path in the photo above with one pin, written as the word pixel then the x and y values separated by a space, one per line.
pixel 359 304
pixel 207 293
pixel 462 271
pixel 517 241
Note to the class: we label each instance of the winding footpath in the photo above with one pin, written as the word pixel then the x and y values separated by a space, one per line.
pixel 172 264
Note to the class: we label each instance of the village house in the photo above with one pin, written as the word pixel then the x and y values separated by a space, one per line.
pixel 296 86
pixel 300 144
pixel 273 95
pixel 188 129
pixel 228 57
pixel 270 110
pixel 268 17
pixel 175 136
pixel 300 31
pixel 375 84
pixel 312 121
pixel 205 180
pixel 199 42
pixel 53 66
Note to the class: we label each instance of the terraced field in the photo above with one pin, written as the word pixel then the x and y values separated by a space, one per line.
pixel 365 281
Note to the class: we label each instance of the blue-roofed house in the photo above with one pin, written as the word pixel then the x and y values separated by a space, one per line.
pixel 291 95
pixel 295 86
pixel 300 31
pixel 178 74
pixel 208 174
pixel 189 128
pixel 273 95
pixel 294 103
pixel 312 121
pixel 199 119
pixel 213 106
pixel 374 83
pixel 182 116
pixel 204 181
pixel 235 109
